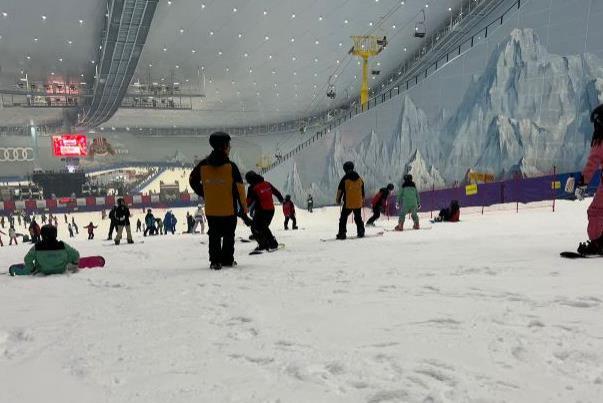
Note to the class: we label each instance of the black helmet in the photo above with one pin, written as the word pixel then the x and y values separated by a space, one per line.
pixel 288 197
pixel 252 177
pixel 48 232
pixel 390 186
pixel 408 178
pixel 219 140
pixel 121 201
pixel 348 166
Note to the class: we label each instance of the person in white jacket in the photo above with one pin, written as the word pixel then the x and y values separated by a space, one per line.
pixel 199 219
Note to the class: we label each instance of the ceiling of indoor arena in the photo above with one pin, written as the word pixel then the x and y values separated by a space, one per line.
pixel 232 62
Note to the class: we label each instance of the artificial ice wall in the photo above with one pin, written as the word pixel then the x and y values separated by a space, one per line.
pixel 518 102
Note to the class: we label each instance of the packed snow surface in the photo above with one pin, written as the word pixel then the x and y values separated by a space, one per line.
pixel 480 311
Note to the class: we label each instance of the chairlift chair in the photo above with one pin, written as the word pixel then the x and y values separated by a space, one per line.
pixel 420 29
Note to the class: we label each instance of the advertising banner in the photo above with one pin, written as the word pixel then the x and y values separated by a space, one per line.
pixel 69 145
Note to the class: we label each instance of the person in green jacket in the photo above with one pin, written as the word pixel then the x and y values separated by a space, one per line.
pixel 409 201
pixel 50 256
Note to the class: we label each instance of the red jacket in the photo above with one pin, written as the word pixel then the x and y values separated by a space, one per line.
pixel 260 195
pixel 288 209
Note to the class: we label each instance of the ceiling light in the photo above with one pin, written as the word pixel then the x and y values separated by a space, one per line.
pixel 245 54
pixel 315 60
pixel 338 61
pixel 402 3
pixel 211 33
pixel 265 12
pixel 250 71
pixel 405 49
pixel 81 22
pixel 340 44
pixel 165 49
pixel 150 65
pixel 371 24
pixel 345 21
pixel 292 39
pixel 315 74
pixel 28 57
pixel 255 83
pixel 273 71
pixel 60 59
pixel 266 37
pixel 43 18
pixel 227 69
pixel 426 5
pixel 82 75
pixel 295 73
pixel 270 57
pixel 169 2
pixel 69 43
pixel 449 8
pixel 193 51
pixel 181 30
pixel 4 14
pixel 177 66
pixel 202 6
pixel 316 42
pixel 52 74
pixel 294 58
pixel 320 18
pixel 234 10
pixel 219 52
pixel 35 39
pixel 92 61
pixel 393 27
pixel 239 35
pixel 293 16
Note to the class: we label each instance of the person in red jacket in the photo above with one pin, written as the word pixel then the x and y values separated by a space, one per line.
pixel 34 231
pixel 259 198
pixel 594 246
pixel 90 227
pixel 289 212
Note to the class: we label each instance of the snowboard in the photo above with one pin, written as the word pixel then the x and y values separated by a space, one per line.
pixel 261 252
pixel 122 243
pixel 88 262
pixel 410 229
pixel 575 255
pixel 354 237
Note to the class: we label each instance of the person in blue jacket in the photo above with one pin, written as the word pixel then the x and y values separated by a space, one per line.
pixel 149 221
pixel 169 222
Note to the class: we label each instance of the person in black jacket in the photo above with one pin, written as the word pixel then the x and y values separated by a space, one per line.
pixel 259 196
pixel 112 224
pixel 122 218
pixel 378 204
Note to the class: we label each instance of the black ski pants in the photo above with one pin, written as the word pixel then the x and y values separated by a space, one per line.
pixel 221 232
pixel 343 219
pixel 112 227
pixel 293 220
pixel 375 216
pixel 260 227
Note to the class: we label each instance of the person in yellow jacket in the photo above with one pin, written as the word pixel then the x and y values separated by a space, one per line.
pixel 218 181
pixel 351 192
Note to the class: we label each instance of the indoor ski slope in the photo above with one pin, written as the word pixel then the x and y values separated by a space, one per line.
pixel 479 311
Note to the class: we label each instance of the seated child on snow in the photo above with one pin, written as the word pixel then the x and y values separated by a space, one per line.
pixel 409 201
pixel 50 256
pixel 450 214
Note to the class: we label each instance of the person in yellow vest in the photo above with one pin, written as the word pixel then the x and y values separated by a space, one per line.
pixel 218 181
pixel 351 192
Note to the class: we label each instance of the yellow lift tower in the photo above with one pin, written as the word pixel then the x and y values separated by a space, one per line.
pixel 366 46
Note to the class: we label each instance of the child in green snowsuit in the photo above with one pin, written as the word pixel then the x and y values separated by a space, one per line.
pixel 50 256
pixel 409 201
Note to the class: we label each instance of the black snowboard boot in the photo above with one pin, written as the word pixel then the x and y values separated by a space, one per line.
pixel 591 247
pixel 341 237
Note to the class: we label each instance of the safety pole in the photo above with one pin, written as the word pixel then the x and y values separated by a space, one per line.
pixel 554 186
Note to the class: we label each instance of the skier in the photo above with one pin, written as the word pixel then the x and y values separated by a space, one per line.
pixel 12 235
pixel 56 222
pixel 65 217
pixel 43 219
pixel 450 214
pixel 90 227
pixel 190 222
pixel 159 223
pixel 149 221
pixel 218 181
pixel 138 225
pixel 112 224
pixel 75 227
pixel 594 246
pixel 51 256
pixel 122 219
pixel 289 212
pixel 351 192
pixel 19 218
pixel 378 203
pixel 199 219
pixel 310 202
pixel 169 222
pixel 259 195
pixel 34 231
pixel 70 229
pixel 409 201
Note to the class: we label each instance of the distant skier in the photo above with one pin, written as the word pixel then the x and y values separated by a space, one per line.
pixel 50 256
pixel 409 201
pixel 289 212
pixel 34 231
pixel 138 225
pixel 43 219
pixel 310 203
pixel 259 194
pixel 190 223
pixel 218 181
pixel 122 220
pixel 70 229
pixel 2 222
pixel 149 221
pixel 351 192
pixel 199 219
pixel 594 246
pixel 12 235
pixel 451 213
pixel 65 218
pixel 169 222
pixel 56 222
pixel 90 227
pixel 378 204
pixel 112 224
pixel 75 227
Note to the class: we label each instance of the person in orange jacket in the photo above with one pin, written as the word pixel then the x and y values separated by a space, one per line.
pixel 351 192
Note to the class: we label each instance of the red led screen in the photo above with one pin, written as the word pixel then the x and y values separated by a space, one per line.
pixel 69 145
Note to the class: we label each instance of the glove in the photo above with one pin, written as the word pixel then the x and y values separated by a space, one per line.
pixel 580 192
pixel 246 220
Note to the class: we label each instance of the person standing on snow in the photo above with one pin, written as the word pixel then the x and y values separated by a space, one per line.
pixel 12 235
pixel 218 181
pixel 289 212
pixel 34 231
pixel 90 227
pixel 122 220
pixel 310 203
pixel 351 192
pixel 112 224
pixel 409 201
pixel 259 195
pixel 149 221
pixel 70 229
pixel 378 203
pixel 199 219
pixel 75 227
pixel 138 225
pixel 594 246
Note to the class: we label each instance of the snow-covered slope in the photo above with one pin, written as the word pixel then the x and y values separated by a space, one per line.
pixel 479 311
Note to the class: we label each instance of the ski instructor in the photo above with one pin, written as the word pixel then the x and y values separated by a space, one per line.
pixel 218 181
pixel 594 246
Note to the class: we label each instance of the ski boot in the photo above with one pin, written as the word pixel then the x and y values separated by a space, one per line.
pixel 341 237
pixel 116 242
pixel 295 228
pixel 591 247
